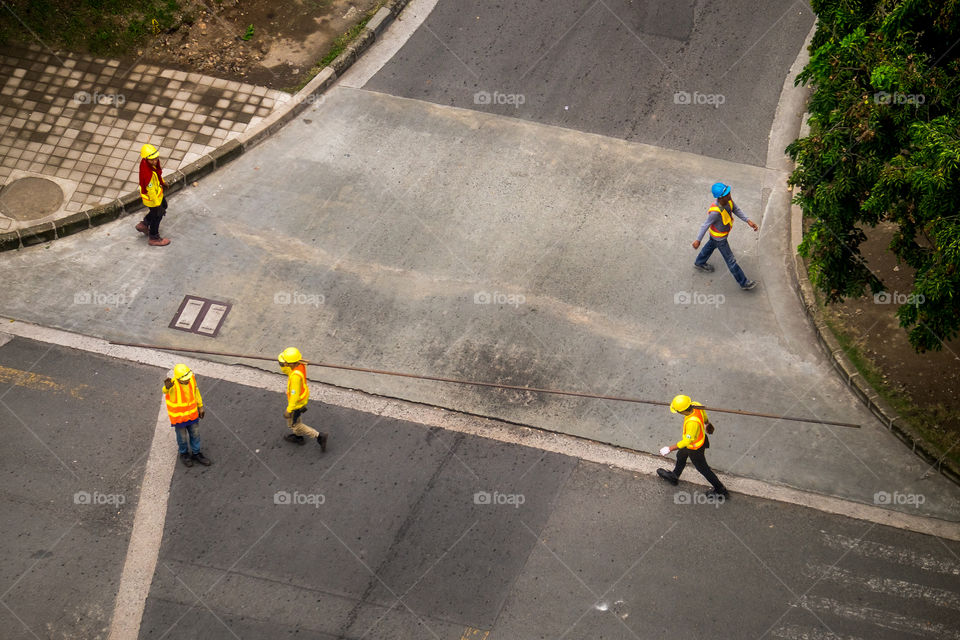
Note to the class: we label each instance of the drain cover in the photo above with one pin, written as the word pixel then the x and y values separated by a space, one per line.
pixel 200 315
pixel 30 198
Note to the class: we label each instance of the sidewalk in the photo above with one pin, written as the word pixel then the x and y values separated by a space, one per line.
pixel 77 123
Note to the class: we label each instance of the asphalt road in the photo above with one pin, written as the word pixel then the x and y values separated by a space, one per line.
pixel 703 77
pixel 402 531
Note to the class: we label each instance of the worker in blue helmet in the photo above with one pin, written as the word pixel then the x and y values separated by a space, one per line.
pixel 719 222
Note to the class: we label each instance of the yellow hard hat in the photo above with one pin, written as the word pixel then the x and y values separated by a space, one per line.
pixel 290 355
pixel 680 404
pixel 149 152
pixel 182 372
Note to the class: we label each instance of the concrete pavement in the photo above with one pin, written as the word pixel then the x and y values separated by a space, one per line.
pixel 406 531
pixel 502 251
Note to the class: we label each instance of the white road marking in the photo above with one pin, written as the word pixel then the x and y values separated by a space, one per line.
pixel 387 45
pixel 891 554
pixel 878 617
pixel 144 547
pixel 792 632
pixel 486 428
pixel 889 586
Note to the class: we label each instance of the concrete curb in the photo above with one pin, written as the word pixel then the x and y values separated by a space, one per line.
pixel 230 150
pixel 848 371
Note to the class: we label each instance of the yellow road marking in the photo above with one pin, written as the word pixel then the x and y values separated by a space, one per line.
pixel 38 382
pixel 474 634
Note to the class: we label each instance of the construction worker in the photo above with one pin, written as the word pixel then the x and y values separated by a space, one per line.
pixel 693 445
pixel 291 363
pixel 719 221
pixel 151 191
pixel 185 409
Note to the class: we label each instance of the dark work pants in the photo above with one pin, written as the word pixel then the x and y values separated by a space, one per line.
pixel 154 216
pixel 699 458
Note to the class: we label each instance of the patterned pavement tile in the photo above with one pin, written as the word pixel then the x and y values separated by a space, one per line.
pixel 84 120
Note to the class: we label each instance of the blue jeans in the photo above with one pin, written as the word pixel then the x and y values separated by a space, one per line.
pixel 723 246
pixel 189 430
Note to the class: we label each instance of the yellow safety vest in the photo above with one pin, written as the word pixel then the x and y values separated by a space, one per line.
pixel 297 391
pixel 694 434
pixel 725 217
pixel 183 402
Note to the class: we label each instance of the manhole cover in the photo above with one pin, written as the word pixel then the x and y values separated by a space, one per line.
pixel 30 198
pixel 200 315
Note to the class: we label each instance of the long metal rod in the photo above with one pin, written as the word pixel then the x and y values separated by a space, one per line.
pixel 475 383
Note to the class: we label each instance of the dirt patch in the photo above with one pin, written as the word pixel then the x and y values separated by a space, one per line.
pixel 263 42
pixel 931 381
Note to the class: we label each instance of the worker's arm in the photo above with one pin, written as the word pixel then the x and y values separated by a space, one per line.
pixel 737 211
pixel 711 218
pixel 293 392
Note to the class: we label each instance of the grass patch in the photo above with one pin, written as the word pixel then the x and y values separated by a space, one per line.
pixel 927 422
pixel 98 27
pixel 339 46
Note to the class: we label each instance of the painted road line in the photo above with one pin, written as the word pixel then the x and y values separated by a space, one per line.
pixel 489 428
pixel 878 617
pixel 38 382
pixel 888 586
pixel 144 547
pixel 793 632
pixel 890 554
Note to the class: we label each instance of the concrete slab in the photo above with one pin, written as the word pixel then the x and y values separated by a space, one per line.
pixel 502 251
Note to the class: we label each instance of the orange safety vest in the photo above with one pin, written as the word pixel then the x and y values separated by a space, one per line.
pixel 299 371
pixel 182 402
pixel 725 217
pixel 700 416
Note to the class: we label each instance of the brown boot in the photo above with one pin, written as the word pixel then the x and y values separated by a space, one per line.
pixel 158 242
pixel 143 228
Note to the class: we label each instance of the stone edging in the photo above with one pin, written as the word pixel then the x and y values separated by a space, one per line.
pixel 848 371
pixel 230 150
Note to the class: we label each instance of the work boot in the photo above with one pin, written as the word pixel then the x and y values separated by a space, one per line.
pixel 186 459
pixel 294 438
pixel 202 459
pixel 721 492
pixel 143 228
pixel 708 268
pixel 157 241
pixel 669 476
pixel 322 441
pixel 750 285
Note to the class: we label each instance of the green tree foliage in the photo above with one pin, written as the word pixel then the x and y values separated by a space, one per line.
pixel 884 145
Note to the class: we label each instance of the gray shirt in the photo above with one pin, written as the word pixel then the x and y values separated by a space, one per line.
pixel 715 219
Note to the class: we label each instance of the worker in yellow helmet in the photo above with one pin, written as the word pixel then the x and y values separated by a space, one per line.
pixel 292 364
pixel 185 409
pixel 151 192
pixel 693 445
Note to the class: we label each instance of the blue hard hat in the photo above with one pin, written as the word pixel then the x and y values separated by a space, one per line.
pixel 719 189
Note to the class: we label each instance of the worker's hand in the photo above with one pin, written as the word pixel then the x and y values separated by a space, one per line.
pixel 167 383
pixel 665 451
pixel 287 414
pixel 201 413
pixel 696 244
pixel 753 225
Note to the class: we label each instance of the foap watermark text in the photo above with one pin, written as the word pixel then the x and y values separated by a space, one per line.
pixel 497 98
pixel 695 297
pixel 699 99
pixel 497 498
pixel 298 297
pixel 297 499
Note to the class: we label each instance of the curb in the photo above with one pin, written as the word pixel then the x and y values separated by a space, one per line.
pixel 848 371
pixel 230 150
